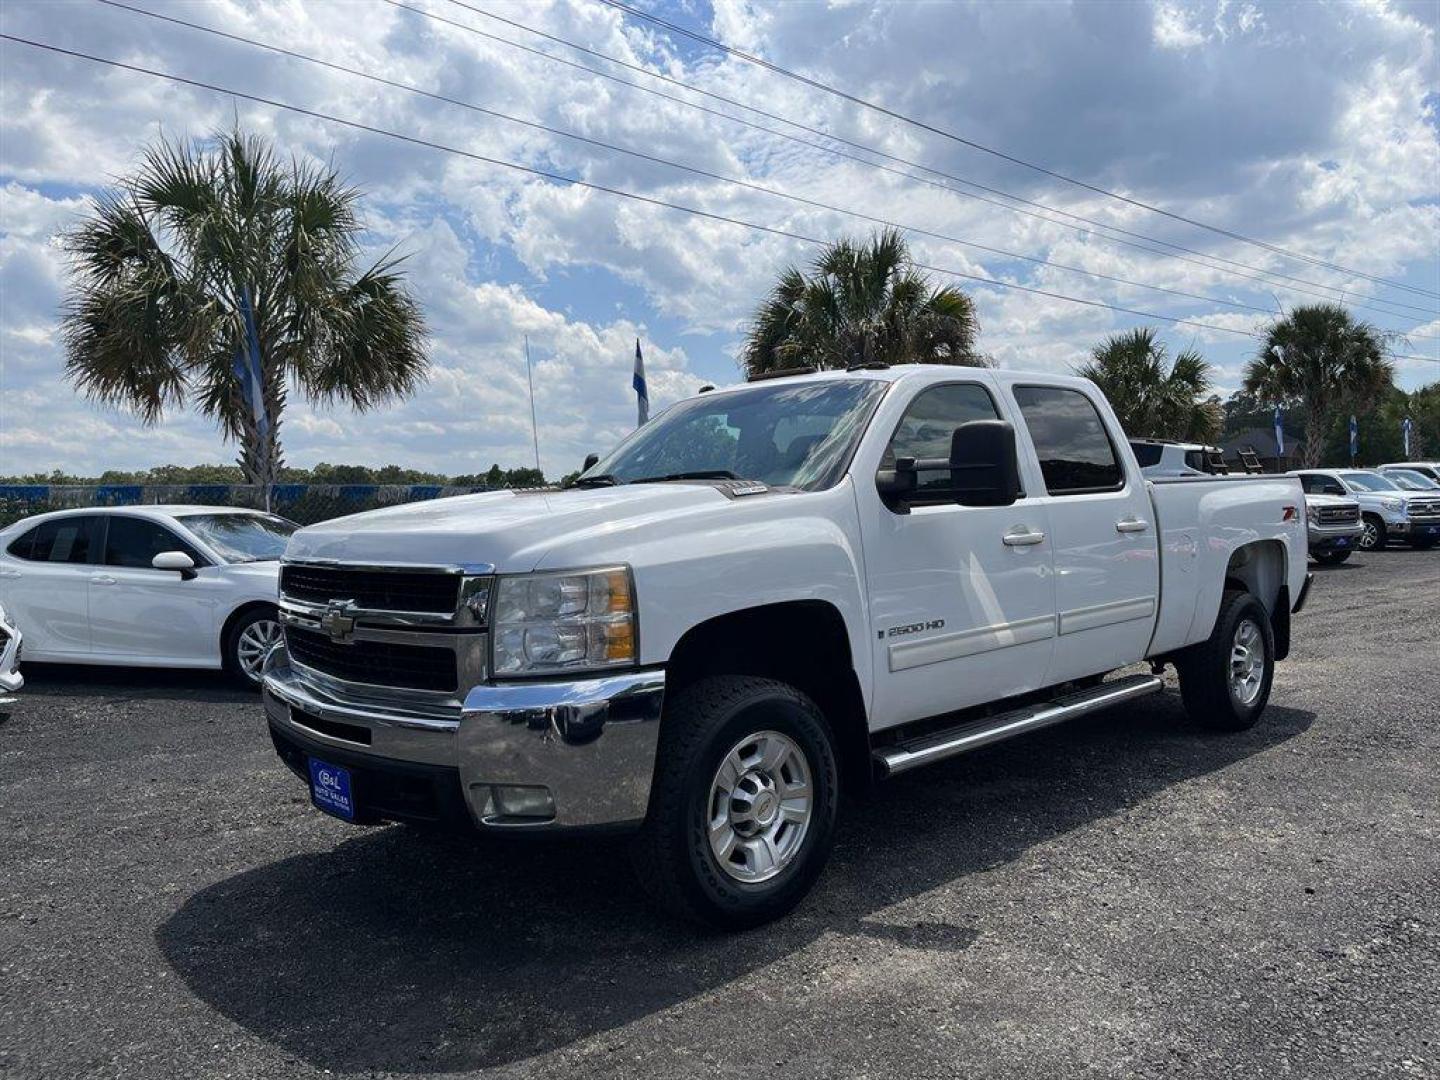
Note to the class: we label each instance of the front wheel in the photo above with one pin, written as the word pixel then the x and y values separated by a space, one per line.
pixel 249 642
pixel 1373 535
pixel 742 813
pixel 1225 680
pixel 1331 558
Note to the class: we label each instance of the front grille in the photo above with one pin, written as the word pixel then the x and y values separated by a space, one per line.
pixel 1339 515
pixel 378 663
pixel 377 590
pixel 1426 509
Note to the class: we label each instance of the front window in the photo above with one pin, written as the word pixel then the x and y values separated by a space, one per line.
pixel 239 538
pixel 799 435
pixel 1368 482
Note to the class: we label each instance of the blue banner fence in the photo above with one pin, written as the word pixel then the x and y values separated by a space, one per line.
pixel 305 503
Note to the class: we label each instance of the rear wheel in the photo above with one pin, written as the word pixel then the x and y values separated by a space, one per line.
pixel 249 642
pixel 742 814
pixel 1225 680
pixel 1373 535
pixel 1331 558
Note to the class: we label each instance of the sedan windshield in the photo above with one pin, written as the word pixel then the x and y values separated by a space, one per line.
pixel 1363 481
pixel 798 435
pixel 241 538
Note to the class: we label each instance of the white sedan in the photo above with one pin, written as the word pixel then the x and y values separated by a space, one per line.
pixel 146 586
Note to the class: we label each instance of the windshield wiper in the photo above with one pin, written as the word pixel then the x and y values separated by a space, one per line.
pixel 598 480
pixel 697 474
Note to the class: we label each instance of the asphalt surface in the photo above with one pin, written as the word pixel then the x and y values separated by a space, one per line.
pixel 1121 897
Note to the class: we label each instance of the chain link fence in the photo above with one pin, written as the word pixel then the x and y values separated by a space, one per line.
pixel 305 503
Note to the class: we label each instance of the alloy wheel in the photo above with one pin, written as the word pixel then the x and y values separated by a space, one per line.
pixel 1247 662
pixel 254 645
pixel 760 806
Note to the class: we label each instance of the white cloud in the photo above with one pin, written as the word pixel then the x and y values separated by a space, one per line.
pixel 1312 127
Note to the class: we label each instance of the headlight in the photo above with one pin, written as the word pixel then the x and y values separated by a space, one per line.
pixel 1312 515
pixel 566 621
pixel 1393 505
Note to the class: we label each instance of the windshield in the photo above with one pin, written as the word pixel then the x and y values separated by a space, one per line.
pixel 241 537
pixel 796 435
pixel 1360 481
pixel 1410 480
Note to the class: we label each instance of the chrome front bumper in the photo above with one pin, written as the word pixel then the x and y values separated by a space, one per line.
pixel 590 742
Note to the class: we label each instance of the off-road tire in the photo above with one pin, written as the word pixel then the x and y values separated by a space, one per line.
pixel 672 855
pixel 1205 669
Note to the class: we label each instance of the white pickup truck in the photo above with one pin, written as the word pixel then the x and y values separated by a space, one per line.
pixel 767 596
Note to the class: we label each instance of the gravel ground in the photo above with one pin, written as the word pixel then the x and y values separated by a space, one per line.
pixel 1120 897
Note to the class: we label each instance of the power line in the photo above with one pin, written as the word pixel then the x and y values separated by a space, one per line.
pixel 1205 260
pixel 535 125
pixel 593 186
pixel 922 125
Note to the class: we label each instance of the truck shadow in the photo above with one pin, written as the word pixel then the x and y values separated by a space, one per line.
pixel 403 951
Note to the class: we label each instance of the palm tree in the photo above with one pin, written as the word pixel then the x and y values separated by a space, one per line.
pixel 1150 401
pixel 165 269
pixel 1319 355
pixel 861 303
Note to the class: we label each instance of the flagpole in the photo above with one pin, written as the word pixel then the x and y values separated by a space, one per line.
pixel 534 427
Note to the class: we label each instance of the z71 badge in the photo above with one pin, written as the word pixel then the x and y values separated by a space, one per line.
pixel 912 628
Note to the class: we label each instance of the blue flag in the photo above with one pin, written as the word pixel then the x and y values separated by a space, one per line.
pixel 638 381
pixel 1354 438
pixel 1279 435
pixel 1405 434
pixel 247 368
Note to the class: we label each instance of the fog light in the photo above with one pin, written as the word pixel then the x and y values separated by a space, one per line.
pixel 517 801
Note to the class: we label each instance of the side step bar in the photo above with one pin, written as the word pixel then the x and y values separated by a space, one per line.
pixel 905 756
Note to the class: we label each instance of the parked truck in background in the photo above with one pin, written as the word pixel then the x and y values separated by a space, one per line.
pixel 1333 527
pixel 767 596
pixel 1387 511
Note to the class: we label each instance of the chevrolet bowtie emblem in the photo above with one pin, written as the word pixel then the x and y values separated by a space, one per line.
pixel 339 620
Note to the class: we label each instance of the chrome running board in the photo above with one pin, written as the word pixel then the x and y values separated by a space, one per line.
pixel 913 753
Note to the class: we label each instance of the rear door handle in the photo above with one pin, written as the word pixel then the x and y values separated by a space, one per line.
pixel 101 579
pixel 1023 536
pixel 1131 525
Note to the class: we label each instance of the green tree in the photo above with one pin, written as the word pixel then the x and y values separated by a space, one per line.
pixel 861 303
pixel 1321 357
pixel 160 270
pixel 1154 398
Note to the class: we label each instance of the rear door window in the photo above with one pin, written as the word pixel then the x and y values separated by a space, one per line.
pixel 61 540
pixel 1075 451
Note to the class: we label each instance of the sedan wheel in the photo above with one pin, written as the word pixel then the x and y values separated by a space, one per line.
pixel 253 645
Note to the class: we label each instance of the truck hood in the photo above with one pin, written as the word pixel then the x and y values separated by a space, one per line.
pixel 1316 499
pixel 507 530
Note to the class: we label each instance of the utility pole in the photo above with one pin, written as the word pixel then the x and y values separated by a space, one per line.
pixel 534 427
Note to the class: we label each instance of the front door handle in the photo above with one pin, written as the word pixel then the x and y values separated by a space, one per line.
pixel 101 579
pixel 1023 536
pixel 1131 525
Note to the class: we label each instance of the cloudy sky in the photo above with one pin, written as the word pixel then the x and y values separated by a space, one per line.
pixel 1312 127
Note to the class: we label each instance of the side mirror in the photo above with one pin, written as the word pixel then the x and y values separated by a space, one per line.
pixel 983 471
pixel 984 468
pixel 175 560
pixel 590 459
